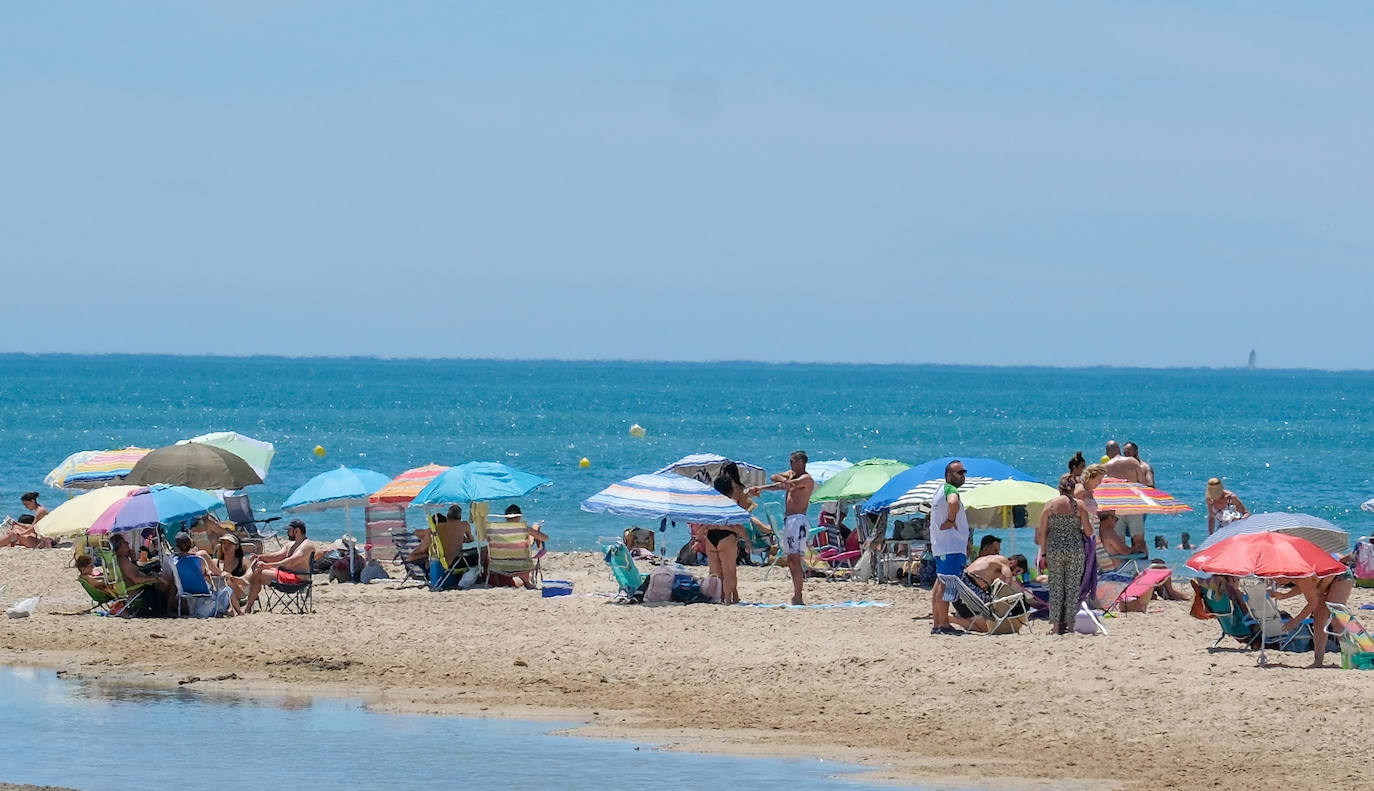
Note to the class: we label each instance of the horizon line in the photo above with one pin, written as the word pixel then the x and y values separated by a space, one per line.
pixel 652 361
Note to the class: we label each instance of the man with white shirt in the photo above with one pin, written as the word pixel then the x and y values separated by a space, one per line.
pixel 948 542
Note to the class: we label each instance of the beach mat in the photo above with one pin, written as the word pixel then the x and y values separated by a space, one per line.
pixel 829 606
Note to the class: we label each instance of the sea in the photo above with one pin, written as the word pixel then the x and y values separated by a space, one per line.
pixel 1283 440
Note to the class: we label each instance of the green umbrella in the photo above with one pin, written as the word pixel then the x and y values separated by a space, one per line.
pixel 195 465
pixel 860 481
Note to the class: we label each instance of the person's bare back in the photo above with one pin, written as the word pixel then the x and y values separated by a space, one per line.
pixel 1125 468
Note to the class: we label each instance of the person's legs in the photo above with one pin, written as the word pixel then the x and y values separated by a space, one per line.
pixel 713 559
pixel 953 565
pixel 794 565
pixel 729 578
pixel 256 579
pixel 939 608
pixel 1134 526
pixel 1319 618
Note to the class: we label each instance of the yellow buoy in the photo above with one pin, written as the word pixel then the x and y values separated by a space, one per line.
pixel 585 463
pixel 637 430
pixel 319 451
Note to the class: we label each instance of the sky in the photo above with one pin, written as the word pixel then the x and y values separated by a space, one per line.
pixel 1005 184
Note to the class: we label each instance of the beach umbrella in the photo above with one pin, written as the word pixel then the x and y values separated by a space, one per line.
pixel 1124 497
pixel 665 495
pixel 154 505
pixel 91 469
pixel 858 481
pixel 258 453
pixel 404 487
pixel 917 499
pixel 478 481
pixel 1265 555
pixel 934 469
pixel 1000 494
pixel 341 488
pixel 706 466
pixel 1367 505
pixel 1310 528
pixel 75 517
pixel 195 465
pixel 822 471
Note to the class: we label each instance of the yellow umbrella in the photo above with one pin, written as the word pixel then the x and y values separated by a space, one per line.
pixel 1008 492
pixel 75 516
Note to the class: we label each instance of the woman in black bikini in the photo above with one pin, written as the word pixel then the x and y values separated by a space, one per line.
pixel 722 548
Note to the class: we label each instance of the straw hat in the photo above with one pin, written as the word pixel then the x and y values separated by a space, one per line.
pixel 1215 489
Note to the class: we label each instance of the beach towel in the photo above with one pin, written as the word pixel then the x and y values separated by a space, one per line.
pixel 828 606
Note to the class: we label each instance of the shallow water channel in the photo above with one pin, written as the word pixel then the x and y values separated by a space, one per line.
pixel 96 736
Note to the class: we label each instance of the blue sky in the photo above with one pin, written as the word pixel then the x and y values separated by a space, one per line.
pixel 1063 184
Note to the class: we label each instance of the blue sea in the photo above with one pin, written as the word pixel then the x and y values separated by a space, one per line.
pixel 1282 440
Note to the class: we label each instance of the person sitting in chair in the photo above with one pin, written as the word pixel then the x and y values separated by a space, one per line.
pixel 537 539
pixel 85 570
pixel 982 574
pixel 286 567
pixel 133 575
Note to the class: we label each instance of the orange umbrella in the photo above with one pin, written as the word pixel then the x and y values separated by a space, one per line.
pixel 405 486
pixel 1124 497
pixel 1266 555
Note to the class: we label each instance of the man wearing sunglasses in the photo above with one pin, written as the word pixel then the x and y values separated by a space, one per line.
pixel 948 542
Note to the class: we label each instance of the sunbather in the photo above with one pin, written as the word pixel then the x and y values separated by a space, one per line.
pixel 133 575
pixel 22 533
pixel 1110 539
pixel 537 538
pixel 231 563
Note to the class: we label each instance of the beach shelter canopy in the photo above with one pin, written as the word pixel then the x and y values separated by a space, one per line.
pixel 666 495
pixel 258 453
pixel 706 466
pixel 478 481
pixel 75 517
pixel 341 488
pixel 1124 497
pixel 1265 555
pixel 90 469
pixel 1310 528
pixel 858 481
pixel 154 505
pixel 403 488
pixel 999 494
pixel 822 471
pixel 195 465
pixel 934 469
pixel 917 499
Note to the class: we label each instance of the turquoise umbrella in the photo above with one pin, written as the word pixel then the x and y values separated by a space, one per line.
pixel 346 486
pixel 478 481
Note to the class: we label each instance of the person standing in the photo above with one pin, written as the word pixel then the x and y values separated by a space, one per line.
pixel 949 539
pixel 1065 526
pixel 798 484
pixel 1223 507
pixel 1147 473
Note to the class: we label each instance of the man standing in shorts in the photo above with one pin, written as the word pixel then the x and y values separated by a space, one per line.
pixel 799 485
pixel 948 542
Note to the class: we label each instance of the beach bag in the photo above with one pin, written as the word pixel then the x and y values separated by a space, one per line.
pixel 687 556
pixel 1087 621
pixel 638 537
pixel 1364 562
pixel 660 587
pixel 686 589
pixel 373 571
pixel 469 578
pixel 710 589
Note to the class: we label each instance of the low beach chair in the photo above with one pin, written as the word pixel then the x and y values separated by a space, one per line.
pixel 829 546
pixel 1004 609
pixel 446 546
pixel 100 598
pixel 1141 587
pixel 623 569
pixel 128 600
pixel 509 548
pixel 194 592
pixel 297 598
pixel 380 524
pixel 1357 646
pixel 405 542
pixel 1125 564
pixel 1264 612
pixel 1220 602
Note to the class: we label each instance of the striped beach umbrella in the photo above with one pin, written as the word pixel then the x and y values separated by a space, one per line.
pixel 1124 497
pixel 91 469
pixel 666 495
pixel 918 498
pixel 404 487
pixel 1309 528
pixel 706 466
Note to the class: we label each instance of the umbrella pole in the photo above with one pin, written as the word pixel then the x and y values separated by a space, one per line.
pixel 1268 602
pixel 348 531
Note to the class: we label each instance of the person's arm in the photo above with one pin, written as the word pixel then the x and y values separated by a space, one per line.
pixel 1042 529
pixel 537 534
pixel 271 559
pixel 1085 517
pixel 952 515
pixel 1211 519
pixel 780 480
pixel 1239 505
pixel 1313 595
pixel 1147 474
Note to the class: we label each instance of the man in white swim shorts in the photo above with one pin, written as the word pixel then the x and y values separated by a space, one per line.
pixel 799 485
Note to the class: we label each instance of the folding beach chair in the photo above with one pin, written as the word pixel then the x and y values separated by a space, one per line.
pixel 297 598
pixel 829 546
pixel 1357 646
pixel 101 599
pixel 509 547
pixel 1124 564
pixel 240 512
pixel 405 542
pixel 128 600
pixel 623 569
pixel 1004 609
pixel 446 546
pixel 1264 612
pixel 1141 587
pixel 194 592
pixel 1220 603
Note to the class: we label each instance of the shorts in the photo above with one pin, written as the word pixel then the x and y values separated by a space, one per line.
pixel 1131 525
pixel 953 563
pixel 285 577
pixel 794 529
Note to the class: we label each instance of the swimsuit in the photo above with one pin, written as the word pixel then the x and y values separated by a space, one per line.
pixel 716 535
pixel 794 534
pixel 287 577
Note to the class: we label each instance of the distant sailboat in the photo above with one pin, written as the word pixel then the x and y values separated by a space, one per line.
pixel 1252 360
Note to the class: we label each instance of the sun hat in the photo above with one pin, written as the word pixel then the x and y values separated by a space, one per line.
pixel 231 538
pixel 1215 489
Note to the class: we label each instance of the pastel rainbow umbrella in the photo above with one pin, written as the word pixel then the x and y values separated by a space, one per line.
pixel 150 506
pixel 91 469
pixel 1124 497
pixel 402 489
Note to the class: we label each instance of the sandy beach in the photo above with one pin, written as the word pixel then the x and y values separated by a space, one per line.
pixel 1147 707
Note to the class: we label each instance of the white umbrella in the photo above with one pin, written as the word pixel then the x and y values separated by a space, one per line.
pixel 917 499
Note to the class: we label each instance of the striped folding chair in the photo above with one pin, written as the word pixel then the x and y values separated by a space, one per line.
pixel 509 548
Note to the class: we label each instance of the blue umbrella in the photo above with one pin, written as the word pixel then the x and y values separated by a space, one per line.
pixel 660 495
pixel 155 505
pixel 339 488
pixel 904 482
pixel 478 481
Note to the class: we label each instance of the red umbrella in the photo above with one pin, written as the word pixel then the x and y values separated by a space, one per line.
pixel 1265 555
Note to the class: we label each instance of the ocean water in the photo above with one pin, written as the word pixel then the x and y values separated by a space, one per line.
pixel 1282 440
pixel 95 736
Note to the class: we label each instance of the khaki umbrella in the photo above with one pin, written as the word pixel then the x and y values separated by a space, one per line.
pixel 195 465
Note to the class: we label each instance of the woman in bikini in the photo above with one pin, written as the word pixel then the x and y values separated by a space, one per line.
pixel 1223 507
pixel 722 548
